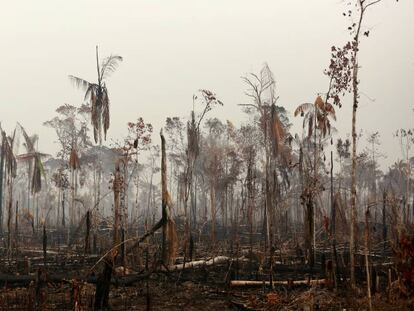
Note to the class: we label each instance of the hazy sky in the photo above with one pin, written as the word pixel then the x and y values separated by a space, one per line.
pixel 173 48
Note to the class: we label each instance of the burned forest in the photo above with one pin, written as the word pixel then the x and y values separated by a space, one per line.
pixel 255 201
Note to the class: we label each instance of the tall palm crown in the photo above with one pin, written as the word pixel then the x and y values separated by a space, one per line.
pixel 316 116
pixel 97 94
pixel 33 158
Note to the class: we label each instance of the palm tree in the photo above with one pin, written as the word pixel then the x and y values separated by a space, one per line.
pixel 97 94
pixel 34 166
pixel 29 145
pixel 316 117
pixel 2 173
pixel 10 171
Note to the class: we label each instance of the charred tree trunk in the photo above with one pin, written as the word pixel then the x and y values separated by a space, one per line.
pixel 213 212
pixel 268 210
pixel 102 288
pixel 58 208
pixel 16 227
pixel 193 200
pixel 384 218
pixel 169 236
pixel 87 234
pixel 1 186
pixel 164 210
pixel 104 280
pixel 333 226
pixel 123 248
pixel 117 186
pixel 72 203
pixel 367 252
pixel 44 242
pixel 63 209
pixel 149 198
pixel 9 220
pixel 333 207
pixel 353 178
pixel 309 230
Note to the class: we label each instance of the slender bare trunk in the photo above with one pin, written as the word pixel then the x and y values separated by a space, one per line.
pixel 354 155
pixel 169 237
pixel 9 215
pixel 164 202
pixel 63 209
pixel 384 219
pixel 44 240
pixel 117 186
pixel 58 208
pixel 213 212
pixel 16 227
pixel 1 185
pixel 367 238
pixel 87 235
pixel 72 207
pixel 333 227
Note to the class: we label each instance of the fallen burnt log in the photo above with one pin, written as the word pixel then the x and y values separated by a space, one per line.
pixel 246 283
pixel 200 263
pixel 25 280
pixel 124 280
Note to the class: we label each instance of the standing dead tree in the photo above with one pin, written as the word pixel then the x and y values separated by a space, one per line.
pixel 262 90
pixel 74 165
pixel 71 129
pixel 11 169
pixel 104 280
pixel 87 248
pixel 2 159
pixel 169 233
pixel 356 31
pixel 317 120
pixel 97 96
pixel 209 100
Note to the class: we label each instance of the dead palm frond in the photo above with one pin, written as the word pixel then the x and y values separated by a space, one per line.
pixel 29 141
pixel 34 160
pixel 96 94
pixel 9 157
pixel 316 116
pixel 38 171
pixel 302 109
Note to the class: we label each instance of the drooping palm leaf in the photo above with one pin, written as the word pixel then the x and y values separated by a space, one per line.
pixel 319 103
pixel 330 110
pixel 29 141
pixel 91 91
pixel 10 159
pixel 302 109
pixel 80 83
pixel 316 116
